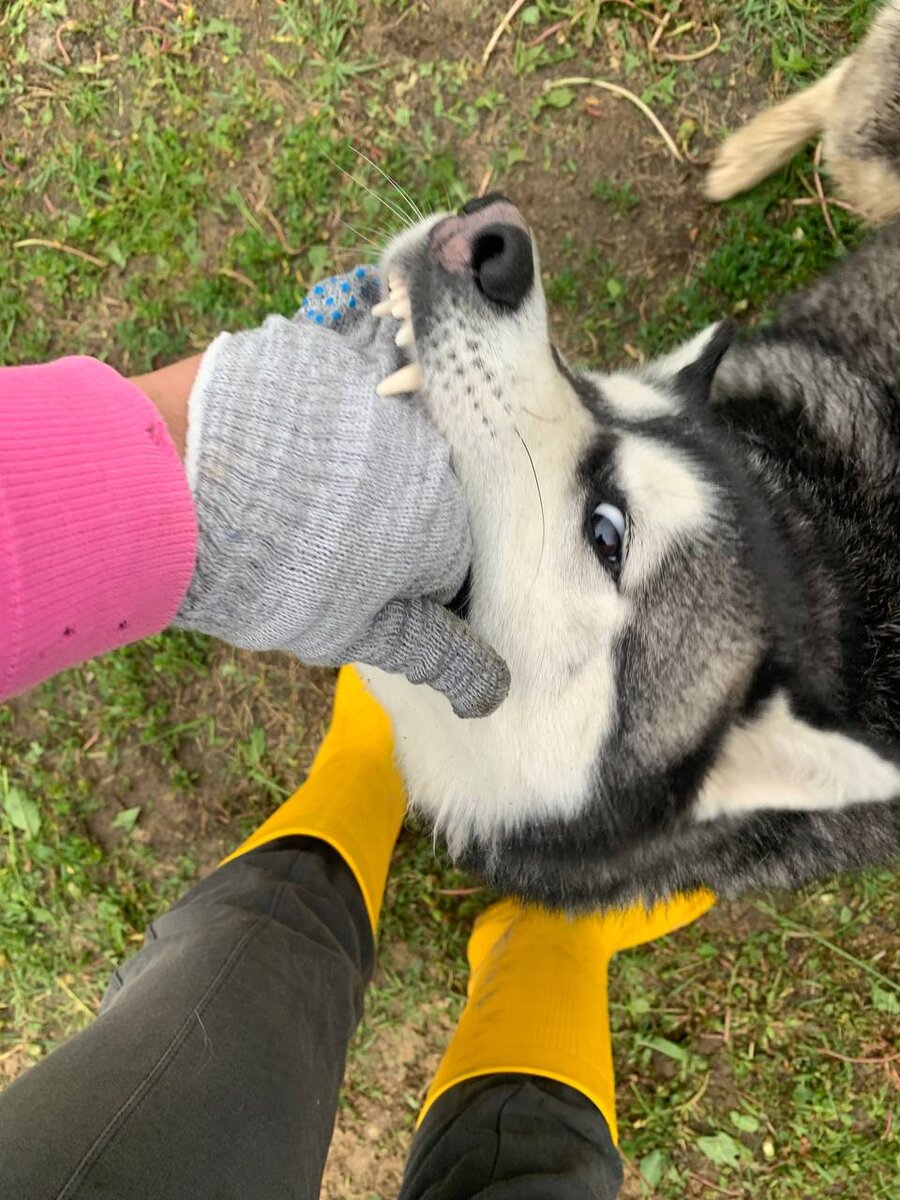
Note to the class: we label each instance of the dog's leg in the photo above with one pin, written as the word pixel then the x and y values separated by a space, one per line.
pixel 871 186
pixel 774 137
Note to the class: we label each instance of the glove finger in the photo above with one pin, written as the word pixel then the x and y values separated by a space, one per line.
pixel 428 644
pixel 340 301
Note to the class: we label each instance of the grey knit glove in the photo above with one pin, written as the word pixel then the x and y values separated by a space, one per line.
pixel 331 524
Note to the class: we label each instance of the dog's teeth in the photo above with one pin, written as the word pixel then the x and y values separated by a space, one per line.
pixel 399 292
pixel 382 308
pixel 407 379
pixel 402 309
pixel 394 280
pixel 405 337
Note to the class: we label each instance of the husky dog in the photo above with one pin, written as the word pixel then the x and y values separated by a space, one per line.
pixel 857 108
pixel 691 569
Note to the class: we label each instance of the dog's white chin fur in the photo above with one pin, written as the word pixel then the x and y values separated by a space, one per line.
pixel 532 758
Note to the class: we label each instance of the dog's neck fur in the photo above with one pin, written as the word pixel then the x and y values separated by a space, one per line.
pixel 834 509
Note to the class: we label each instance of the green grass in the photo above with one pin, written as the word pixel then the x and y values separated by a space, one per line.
pixel 73 904
pixel 788 1118
pixel 157 190
pixel 767 249
pixel 198 163
pixel 762 250
pixel 70 910
pixel 802 34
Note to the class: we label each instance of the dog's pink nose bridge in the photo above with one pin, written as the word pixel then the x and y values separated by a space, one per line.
pixel 455 236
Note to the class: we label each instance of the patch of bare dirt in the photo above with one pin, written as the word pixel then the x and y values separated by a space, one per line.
pixel 193 782
pixel 598 138
pixel 373 1131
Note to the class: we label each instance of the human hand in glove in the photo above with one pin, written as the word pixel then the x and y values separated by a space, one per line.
pixel 331 523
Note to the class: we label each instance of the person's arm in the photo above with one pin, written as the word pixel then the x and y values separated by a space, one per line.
pixel 169 390
pixel 98 533
pixel 331 524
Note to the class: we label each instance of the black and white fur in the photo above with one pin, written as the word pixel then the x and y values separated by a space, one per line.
pixel 723 711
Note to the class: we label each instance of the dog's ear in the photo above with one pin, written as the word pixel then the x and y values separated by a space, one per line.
pixel 690 368
pixel 777 760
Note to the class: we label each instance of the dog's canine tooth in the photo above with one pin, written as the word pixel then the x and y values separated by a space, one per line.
pixel 382 308
pixel 394 280
pixel 405 336
pixel 402 309
pixel 407 379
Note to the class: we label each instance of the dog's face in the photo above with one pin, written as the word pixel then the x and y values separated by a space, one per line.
pixel 622 568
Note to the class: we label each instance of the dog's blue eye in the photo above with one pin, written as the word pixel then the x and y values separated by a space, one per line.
pixel 608 525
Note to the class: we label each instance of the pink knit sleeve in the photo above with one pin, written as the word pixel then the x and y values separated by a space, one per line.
pixel 97 527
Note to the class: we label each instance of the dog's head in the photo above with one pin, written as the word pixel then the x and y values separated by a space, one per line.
pixel 628 573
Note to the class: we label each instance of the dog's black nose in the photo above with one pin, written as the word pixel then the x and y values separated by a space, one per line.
pixel 503 263
pixel 477 203
pixel 490 240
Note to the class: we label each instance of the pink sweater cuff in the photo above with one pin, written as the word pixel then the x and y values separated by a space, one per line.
pixel 97 527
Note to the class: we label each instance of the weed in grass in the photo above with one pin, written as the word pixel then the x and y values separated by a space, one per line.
pixel 803 34
pixel 621 197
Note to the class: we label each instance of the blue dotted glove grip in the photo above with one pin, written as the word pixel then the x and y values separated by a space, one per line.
pixel 341 296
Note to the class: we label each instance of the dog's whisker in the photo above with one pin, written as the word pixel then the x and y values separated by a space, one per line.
pixel 401 192
pixel 386 229
pixel 540 417
pixel 398 212
pixel 357 233
pixel 537 484
pixel 383 231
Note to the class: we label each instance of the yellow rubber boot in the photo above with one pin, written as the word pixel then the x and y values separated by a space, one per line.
pixel 537 1002
pixel 353 797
